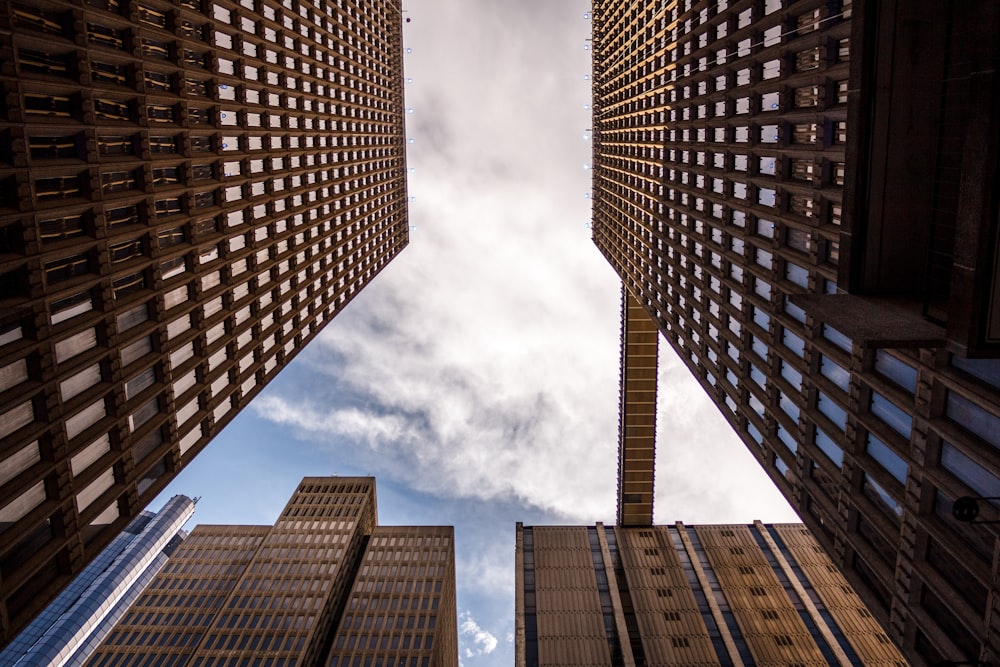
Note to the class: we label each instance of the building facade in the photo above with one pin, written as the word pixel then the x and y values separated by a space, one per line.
pixel 687 595
pixel 68 631
pixel 325 585
pixel 189 191
pixel 801 195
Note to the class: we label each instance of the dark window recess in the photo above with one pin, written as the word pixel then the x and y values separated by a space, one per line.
pixel 151 16
pixel 130 284
pixel 196 87
pixel 191 30
pixel 125 250
pixel 48 105
pixel 41 20
pixel 798 240
pixel 203 227
pixel 165 207
pixel 70 301
pixel 168 238
pixel 109 73
pixel 64 147
pixel 194 58
pixel 957 575
pixel 60 229
pixel 110 145
pixel 112 110
pixel 154 48
pixel 156 81
pixel 11 239
pixel 119 181
pixel 204 199
pixel 29 545
pixel 102 35
pixel 871 580
pixel 65 268
pixel 160 113
pixel 198 116
pixel 200 172
pixel 106 5
pixel 14 283
pixel 147 445
pixel 58 187
pixel 123 215
pixel 161 145
pixel 191 4
pixel 946 619
pixel 166 176
pixel 42 62
pixel 201 144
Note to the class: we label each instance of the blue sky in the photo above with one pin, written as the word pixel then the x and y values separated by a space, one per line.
pixel 476 377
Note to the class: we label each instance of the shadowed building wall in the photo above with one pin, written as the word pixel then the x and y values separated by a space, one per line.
pixel 801 195
pixel 189 192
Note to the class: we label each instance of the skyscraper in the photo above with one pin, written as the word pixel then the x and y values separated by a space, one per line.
pixel 68 631
pixel 801 196
pixel 687 595
pixel 324 586
pixel 189 191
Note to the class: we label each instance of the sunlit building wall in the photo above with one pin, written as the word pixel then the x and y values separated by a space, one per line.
pixel 687 595
pixel 811 225
pixel 324 586
pixel 189 192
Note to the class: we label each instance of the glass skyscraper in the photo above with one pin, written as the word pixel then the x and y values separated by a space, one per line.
pixel 68 631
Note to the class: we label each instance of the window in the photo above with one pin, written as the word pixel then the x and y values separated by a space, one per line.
pixel 887 458
pixel 829 447
pixel 834 372
pixel 973 418
pixel 896 371
pixel 832 410
pixel 973 475
pixel 891 414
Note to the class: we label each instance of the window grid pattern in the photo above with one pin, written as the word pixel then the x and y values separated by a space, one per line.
pixel 720 134
pixel 189 191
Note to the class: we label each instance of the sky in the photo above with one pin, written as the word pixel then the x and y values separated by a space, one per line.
pixel 476 377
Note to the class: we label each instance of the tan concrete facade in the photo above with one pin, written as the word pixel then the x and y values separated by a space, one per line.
pixel 689 595
pixel 324 586
pixel 189 191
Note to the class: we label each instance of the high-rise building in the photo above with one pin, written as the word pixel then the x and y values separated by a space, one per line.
pixel 324 586
pixel 68 631
pixel 801 195
pixel 189 191
pixel 687 595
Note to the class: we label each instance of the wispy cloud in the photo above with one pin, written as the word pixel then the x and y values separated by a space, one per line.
pixel 483 640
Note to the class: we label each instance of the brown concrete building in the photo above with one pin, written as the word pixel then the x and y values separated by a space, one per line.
pixel 189 191
pixel 802 197
pixel 324 586
pixel 687 595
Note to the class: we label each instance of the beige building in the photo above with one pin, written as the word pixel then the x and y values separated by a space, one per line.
pixel 687 595
pixel 189 191
pixel 324 586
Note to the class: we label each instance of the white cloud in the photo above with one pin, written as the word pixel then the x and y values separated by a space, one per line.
pixel 485 642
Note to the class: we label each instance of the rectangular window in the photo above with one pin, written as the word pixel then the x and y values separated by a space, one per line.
pixel 832 410
pixel 834 372
pixel 829 447
pixel 891 414
pixel 94 490
pixel 793 342
pixel 970 473
pixel 892 462
pixel 896 371
pixel 91 453
pixel 80 382
pixel 973 418
pixel 84 419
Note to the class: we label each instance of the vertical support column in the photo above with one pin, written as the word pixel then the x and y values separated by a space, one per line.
pixel 628 658
pixel 637 410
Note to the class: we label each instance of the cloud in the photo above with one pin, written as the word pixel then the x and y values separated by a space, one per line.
pixel 481 638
